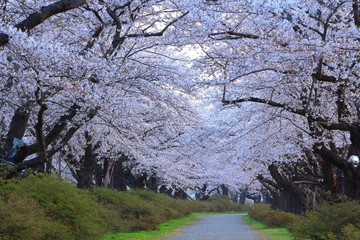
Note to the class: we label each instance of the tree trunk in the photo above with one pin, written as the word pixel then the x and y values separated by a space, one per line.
pixel 87 164
pixel 119 181
pixel 18 125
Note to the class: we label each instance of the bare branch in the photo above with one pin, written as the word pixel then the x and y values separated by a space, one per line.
pixel 157 34
pixel 233 35
pixel 343 126
pixel 301 112
pixel 261 70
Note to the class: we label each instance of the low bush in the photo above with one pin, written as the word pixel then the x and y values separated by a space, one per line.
pixel 222 203
pixel 131 212
pixel 20 218
pixel 272 218
pixel 46 207
pixel 330 221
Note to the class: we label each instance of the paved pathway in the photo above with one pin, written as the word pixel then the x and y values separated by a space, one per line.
pixel 218 227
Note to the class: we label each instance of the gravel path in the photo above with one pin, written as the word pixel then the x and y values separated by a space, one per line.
pixel 218 227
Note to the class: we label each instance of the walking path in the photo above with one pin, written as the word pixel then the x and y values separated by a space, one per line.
pixel 218 227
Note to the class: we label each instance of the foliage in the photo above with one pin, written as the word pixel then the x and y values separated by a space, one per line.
pixel 138 210
pixel 330 221
pixel 21 218
pixel 164 228
pixel 272 218
pixel 131 211
pixel 61 209
pixel 46 207
pixel 222 203
pixel 273 233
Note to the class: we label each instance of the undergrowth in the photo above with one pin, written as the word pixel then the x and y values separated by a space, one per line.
pixel 268 232
pixel 45 207
pixel 329 221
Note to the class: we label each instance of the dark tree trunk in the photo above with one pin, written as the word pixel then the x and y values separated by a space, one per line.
pixel 355 141
pixel 242 196
pixel 256 197
pixel 162 189
pixel 87 164
pixel 119 181
pixel 356 12
pixel 140 180
pixel 130 178
pixel 295 199
pixel 18 125
pixel 51 136
pixel 350 181
pixel 152 183
pixel 331 178
pixel 181 194
pixel 99 175
pixel 225 190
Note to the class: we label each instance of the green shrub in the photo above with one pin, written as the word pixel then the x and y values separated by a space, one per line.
pixel 20 218
pixel 198 206
pixel 63 210
pixel 340 221
pixel 137 209
pixel 45 207
pixel 222 203
pixel 350 232
pixel 272 218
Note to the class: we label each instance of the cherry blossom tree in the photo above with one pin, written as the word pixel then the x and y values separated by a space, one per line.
pixel 96 66
pixel 300 61
pixel 215 93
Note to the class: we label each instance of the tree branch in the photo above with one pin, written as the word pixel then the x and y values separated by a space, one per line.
pixel 50 137
pixel 40 139
pixel 356 12
pixel 260 70
pixel 72 130
pixel 39 17
pixel 342 126
pixel 301 112
pixel 324 78
pixel 157 34
pixel 233 35
pixel 331 157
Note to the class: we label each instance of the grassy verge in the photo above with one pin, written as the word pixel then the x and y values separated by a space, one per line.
pixel 160 231
pixel 163 230
pixel 269 233
pixel 50 208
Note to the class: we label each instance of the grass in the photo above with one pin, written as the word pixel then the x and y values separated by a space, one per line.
pixel 43 206
pixel 163 230
pixel 269 233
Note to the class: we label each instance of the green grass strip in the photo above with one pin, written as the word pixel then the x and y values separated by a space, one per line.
pixel 163 230
pixel 268 233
